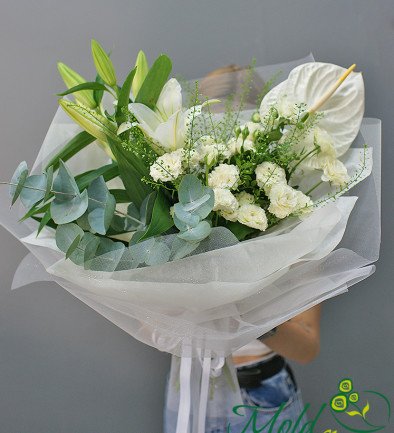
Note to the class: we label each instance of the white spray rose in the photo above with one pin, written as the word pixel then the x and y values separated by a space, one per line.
pixel 334 171
pixel 269 174
pixel 168 166
pixel 252 128
pixel 224 200
pixel 230 215
pixel 244 198
pixel 283 200
pixel 304 203
pixel 224 176
pixel 236 144
pixel 253 216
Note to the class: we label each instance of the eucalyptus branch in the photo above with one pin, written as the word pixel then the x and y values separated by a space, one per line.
pixel 118 212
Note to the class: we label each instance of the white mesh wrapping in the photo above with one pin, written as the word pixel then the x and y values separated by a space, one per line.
pixel 213 303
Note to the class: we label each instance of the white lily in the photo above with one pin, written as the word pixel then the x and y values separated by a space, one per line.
pixel 168 126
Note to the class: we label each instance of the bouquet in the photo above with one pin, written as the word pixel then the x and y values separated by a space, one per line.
pixel 197 224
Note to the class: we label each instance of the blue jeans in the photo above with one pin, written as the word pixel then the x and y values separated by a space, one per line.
pixel 277 392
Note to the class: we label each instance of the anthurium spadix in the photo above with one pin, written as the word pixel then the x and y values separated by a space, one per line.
pixel 342 112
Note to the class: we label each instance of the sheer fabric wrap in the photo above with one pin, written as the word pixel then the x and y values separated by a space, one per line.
pixel 202 308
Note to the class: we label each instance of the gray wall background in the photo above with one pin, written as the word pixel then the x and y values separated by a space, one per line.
pixel 64 368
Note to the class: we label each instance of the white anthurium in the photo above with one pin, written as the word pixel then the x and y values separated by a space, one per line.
pixel 343 111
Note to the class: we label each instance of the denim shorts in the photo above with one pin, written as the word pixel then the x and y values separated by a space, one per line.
pixel 278 391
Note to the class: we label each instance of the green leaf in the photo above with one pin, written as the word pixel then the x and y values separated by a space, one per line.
pixel 127 261
pixel 98 94
pixel 75 145
pixel 91 85
pixel 154 82
pixel 124 96
pixel 131 170
pixel 18 180
pixel 196 234
pixel 103 64
pixel 73 246
pixel 65 236
pixel 69 204
pixel 161 220
pixel 109 172
pixel 101 206
pixel 120 195
pixel 35 210
pixel 240 230
pixel 33 190
pixel 44 221
pixel 48 188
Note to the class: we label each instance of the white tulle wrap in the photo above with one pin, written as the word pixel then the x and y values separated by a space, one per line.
pixel 202 308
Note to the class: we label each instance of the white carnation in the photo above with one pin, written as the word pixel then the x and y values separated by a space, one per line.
pixel 167 167
pixel 253 216
pixel 269 174
pixel 283 200
pixel 244 198
pixel 224 176
pixel 224 200
pixel 334 171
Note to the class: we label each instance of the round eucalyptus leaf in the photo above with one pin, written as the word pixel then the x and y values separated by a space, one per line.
pixel 65 209
pixel 181 248
pixel 196 234
pixel 33 190
pixel 185 216
pixel 66 235
pixel 159 254
pixel 106 256
pixel 101 206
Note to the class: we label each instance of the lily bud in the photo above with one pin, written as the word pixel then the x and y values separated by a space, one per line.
pixel 92 122
pixel 103 64
pixel 140 74
pixel 72 79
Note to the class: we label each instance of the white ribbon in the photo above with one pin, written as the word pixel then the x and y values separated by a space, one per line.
pixel 210 368
pixel 182 425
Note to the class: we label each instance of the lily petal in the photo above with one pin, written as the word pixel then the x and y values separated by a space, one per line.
pixel 145 116
pixel 170 99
